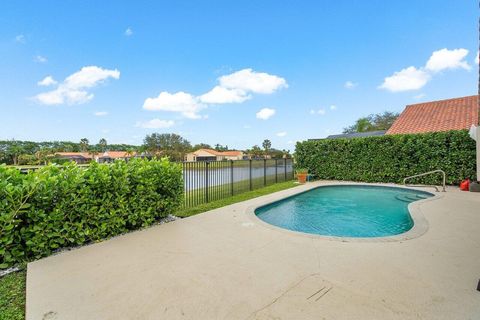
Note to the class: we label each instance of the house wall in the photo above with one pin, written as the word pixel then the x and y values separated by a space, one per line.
pixel 192 156
pixel 478 153
pixel 239 157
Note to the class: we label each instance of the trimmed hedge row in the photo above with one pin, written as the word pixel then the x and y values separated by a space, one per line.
pixel 57 207
pixel 390 158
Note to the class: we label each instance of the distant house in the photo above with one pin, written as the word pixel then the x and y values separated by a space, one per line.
pixel 85 157
pixel 443 115
pixel 78 157
pixel 213 155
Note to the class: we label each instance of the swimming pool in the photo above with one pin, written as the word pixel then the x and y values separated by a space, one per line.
pixel 345 211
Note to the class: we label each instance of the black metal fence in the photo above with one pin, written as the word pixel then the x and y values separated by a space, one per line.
pixel 207 181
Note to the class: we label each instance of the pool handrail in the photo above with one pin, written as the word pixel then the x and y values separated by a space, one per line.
pixel 427 173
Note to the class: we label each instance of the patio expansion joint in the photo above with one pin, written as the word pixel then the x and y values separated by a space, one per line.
pixel 296 284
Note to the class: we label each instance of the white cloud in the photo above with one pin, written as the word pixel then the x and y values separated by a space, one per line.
pixel 236 87
pixel 281 134
pixel 156 124
pixel 290 142
pixel 20 39
pixel 333 107
pixel 90 76
pixel 265 113
pixel 100 113
pixel 128 32
pixel 40 59
pixel 181 102
pixel 73 89
pixel 252 81
pixel 350 84
pixel 407 79
pixel 220 95
pixel 447 59
pixel 47 81
pixel 246 126
pixel 319 111
pixel 477 58
pixel 63 95
pixel 413 78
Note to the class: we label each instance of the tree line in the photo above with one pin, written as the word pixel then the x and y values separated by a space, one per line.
pixel 174 146
pixel 30 152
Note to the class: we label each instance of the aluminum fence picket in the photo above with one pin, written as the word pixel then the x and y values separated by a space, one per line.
pixel 206 181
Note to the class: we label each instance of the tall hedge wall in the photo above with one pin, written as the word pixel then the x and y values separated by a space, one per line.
pixel 57 207
pixel 390 158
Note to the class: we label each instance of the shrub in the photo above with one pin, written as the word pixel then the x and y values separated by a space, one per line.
pixel 57 207
pixel 390 158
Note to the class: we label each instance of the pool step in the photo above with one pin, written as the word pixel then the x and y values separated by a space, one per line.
pixel 410 197
pixel 421 196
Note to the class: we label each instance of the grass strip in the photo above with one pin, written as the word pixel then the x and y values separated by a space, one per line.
pixel 236 198
pixel 12 296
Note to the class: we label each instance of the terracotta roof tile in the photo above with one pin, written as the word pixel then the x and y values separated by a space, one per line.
pixel 87 155
pixel 442 115
pixel 222 153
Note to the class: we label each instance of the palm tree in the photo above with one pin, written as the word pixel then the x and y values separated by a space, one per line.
pixel 84 144
pixel 43 154
pixel 93 152
pixel 267 145
pixel 14 151
pixel 102 144
pixel 129 153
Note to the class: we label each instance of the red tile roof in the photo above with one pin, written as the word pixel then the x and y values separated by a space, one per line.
pixel 222 153
pixel 116 154
pixel 88 155
pixel 442 115
pixel 85 155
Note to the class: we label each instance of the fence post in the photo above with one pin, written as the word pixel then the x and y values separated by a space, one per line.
pixel 293 170
pixel 231 177
pixel 206 181
pixel 276 171
pixel 250 174
pixel 285 163
pixel 264 172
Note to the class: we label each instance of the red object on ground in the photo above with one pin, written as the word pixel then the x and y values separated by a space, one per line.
pixel 464 185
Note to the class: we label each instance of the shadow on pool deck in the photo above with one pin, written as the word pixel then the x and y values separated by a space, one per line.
pixel 225 265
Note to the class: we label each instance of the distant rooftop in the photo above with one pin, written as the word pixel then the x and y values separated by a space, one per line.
pixel 442 115
pixel 221 153
pixel 354 135
pixel 357 134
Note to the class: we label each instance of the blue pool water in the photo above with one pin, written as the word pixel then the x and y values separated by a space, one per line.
pixel 345 211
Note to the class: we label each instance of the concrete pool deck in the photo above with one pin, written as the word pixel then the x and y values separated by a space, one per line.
pixel 224 264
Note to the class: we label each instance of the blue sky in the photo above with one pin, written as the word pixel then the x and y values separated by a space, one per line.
pixel 121 70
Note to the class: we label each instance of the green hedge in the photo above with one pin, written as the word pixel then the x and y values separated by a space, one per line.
pixel 57 207
pixel 390 158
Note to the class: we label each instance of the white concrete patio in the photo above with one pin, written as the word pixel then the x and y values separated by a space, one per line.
pixel 225 264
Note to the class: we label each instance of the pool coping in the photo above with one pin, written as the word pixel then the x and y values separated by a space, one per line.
pixel 420 223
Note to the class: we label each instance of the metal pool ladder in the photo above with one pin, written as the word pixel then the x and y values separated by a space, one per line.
pixel 427 173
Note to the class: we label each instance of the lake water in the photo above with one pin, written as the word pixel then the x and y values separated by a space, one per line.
pixel 196 178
